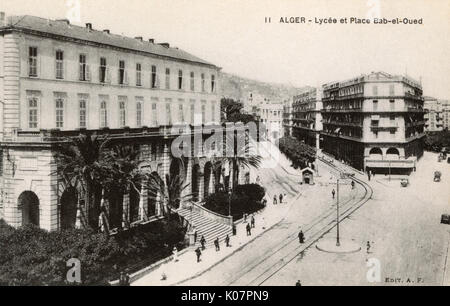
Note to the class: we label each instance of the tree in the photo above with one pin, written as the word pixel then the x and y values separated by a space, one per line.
pixel 79 163
pixel 300 154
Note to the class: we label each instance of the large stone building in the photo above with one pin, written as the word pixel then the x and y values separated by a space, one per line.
pixel 272 117
pixel 374 122
pixel 434 114
pixel 445 114
pixel 57 79
pixel 307 117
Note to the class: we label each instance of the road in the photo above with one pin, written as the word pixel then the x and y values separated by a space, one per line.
pixel 267 253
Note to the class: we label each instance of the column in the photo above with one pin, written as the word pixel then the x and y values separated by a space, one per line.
pixel 126 211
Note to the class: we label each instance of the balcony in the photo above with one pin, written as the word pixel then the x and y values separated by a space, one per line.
pixel 388 127
pixel 393 163
pixel 342 110
pixel 343 123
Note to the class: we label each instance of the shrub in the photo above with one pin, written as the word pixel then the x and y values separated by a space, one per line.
pixel 32 256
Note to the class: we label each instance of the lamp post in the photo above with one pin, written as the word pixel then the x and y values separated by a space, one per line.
pixel 337 219
pixel 230 193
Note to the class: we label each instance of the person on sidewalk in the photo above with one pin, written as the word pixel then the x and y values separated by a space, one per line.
pixel 124 279
pixel 175 254
pixel 298 284
pixel 249 230
pixel 217 245
pixel 301 237
pixel 333 193
pixel 368 247
pixel 281 198
pixel 253 221
pixel 275 200
pixel 353 184
pixel 203 242
pixel 198 252
pixel 227 241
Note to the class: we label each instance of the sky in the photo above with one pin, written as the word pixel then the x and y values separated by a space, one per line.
pixel 233 35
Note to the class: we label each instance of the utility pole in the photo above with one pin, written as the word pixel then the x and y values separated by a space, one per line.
pixel 337 219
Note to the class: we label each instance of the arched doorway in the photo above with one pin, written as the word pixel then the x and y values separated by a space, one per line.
pixel 68 212
pixel 376 153
pixel 207 179
pixel 195 181
pixel 393 153
pixel 29 204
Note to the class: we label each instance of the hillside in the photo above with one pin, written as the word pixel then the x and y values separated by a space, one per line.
pixel 239 88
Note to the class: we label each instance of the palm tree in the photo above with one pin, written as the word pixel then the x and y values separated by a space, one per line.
pixel 79 163
pixel 170 189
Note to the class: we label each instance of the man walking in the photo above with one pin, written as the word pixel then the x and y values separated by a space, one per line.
pixel 198 253
pixel 203 242
pixel 298 284
pixel 227 241
pixel 274 200
pixel 253 221
pixel 333 193
pixel 216 243
pixel 301 237
pixel 249 230
pixel 281 198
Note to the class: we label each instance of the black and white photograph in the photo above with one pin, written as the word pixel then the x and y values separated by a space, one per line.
pixel 223 143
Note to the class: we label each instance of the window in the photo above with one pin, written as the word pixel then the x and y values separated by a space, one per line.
pixel 153 80
pixel 102 70
pixel 33 113
pixel 192 111
pixel 1 162
pixel 392 132
pixel 213 111
pixel 122 74
pixel 60 64
pixel 138 74
pixel 168 112
pixel 154 115
pixel 83 112
pixel 180 79
pixel 392 118
pixel 375 105
pixel 59 112
pixel 103 114
pixel 203 82
pixel 122 113
pixel 181 112
pixel 84 68
pixel 375 90
pixel 213 83
pixel 192 81
pixel 32 61
pixel 391 90
pixel 203 112
pixel 139 113
pixel 167 78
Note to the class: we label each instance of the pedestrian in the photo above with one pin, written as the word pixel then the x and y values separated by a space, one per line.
pixel 333 193
pixel 298 284
pixel 124 279
pixel 203 242
pixel 245 217
pixel 227 241
pixel 275 200
pixel 264 202
pixel 198 252
pixel 216 243
pixel 258 179
pixel 175 254
pixel 253 221
pixel 353 184
pixel 368 247
pixel 249 230
pixel 281 198
pixel 301 237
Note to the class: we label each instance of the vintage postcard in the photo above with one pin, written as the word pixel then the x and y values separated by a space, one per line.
pixel 210 143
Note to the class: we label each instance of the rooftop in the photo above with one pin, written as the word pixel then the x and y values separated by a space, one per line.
pixel 63 28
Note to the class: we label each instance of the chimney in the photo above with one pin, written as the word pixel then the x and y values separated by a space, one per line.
pixel 2 19
pixel 166 45
pixel 89 26
pixel 139 38
pixel 106 31
pixel 66 21
pixel 151 40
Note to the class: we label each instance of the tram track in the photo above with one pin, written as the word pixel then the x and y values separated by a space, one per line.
pixel 271 264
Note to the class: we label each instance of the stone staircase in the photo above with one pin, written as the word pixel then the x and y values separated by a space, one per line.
pixel 206 227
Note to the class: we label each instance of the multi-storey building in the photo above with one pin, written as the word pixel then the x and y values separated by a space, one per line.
pixel 445 114
pixel 374 122
pixel 272 118
pixel 287 118
pixel 57 79
pixel 307 117
pixel 434 119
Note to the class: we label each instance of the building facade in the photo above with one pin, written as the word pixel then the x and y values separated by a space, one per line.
pixel 434 114
pixel 374 122
pixel 445 114
pixel 307 117
pixel 57 79
pixel 272 118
